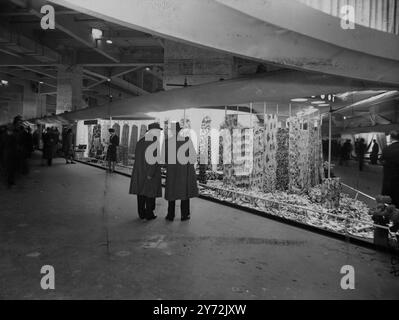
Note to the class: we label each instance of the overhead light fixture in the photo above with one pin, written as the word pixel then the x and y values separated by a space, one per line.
pixel 147 69
pixel 41 82
pixel 299 100
pixel 318 102
pixel 96 33
pixel 4 82
pixel 109 41
pixel 109 79
pixel 344 118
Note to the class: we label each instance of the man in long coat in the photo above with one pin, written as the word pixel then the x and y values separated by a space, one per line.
pixel 181 179
pixel 390 160
pixel 146 176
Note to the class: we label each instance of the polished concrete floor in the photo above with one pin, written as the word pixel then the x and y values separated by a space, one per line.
pixel 82 222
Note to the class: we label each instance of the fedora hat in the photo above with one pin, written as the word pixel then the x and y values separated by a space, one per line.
pixel 154 125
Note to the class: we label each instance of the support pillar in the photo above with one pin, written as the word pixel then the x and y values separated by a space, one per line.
pixel 69 89
pixel 30 106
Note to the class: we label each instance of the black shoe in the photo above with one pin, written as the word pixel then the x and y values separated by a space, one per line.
pixel 151 217
pixel 185 218
pixel 169 218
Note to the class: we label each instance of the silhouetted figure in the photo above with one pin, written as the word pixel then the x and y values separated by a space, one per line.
pixel 146 175
pixel 361 152
pixel 50 142
pixel 390 161
pixel 67 146
pixel 374 152
pixel 111 151
pixel 346 151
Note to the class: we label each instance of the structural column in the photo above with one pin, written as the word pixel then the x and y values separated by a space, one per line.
pixel 30 102
pixel 69 89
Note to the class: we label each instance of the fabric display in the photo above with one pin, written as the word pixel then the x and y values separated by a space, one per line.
pixel 258 172
pixel 143 130
pixel 282 177
pixel 133 139
pixel 294 171
pixel 270 163
pixel 331 193
pixel 310 211
pixel 205 141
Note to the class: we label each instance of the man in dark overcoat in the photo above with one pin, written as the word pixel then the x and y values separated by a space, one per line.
pixel 390 161
pixel 181 179
pixel 146 175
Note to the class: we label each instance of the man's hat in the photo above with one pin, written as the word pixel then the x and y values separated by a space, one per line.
pixel 154 125
pixel 111 130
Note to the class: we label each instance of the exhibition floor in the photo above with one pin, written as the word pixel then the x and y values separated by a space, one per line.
pixel 82 222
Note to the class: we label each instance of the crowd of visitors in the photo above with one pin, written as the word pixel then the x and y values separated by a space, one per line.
pixel 17 143
pixel 16 146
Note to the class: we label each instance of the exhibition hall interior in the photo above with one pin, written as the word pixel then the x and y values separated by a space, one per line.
pixel 288 110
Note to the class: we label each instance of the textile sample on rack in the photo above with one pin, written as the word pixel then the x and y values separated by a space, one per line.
pixel 143 130
pixel 294 169
pixel 204 145
pixel 231 122
pixel 331 193
pixel 133 139
pixel 270 164
pixel 304 158
pixel 257 178
pixel 125 135
pixel 282 159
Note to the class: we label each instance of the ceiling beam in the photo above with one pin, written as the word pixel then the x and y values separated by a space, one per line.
pixel 117 82
pixel 26 75
pixel 15 41
pixel 68 25
pixel 39 71
pixel 9 61
pixel 225 29
pixel 6 51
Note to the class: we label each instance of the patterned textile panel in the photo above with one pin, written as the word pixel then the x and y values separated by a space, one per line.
pixel 270 163
pixel 204 145
pixel 295 185
pixel 143 130
pixel 258 172
pixel 125 135
pixel 231 122
pixel 304 159
pixel 282 159
pixel 133 139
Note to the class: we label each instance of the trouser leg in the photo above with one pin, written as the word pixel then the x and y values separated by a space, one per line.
pixel 149 207
pixel 141 206
pixel 185 208
pixel 171 209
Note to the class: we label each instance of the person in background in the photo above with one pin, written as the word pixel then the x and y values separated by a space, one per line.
pixel 10 155
pixel 35 139
pixel 346 152
pixel 50 142
pixel 361 152
pixel 374 153
pixel 67 146
pixel 181 179
pixel 390 161
pixel 112 148
pixel 146 177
